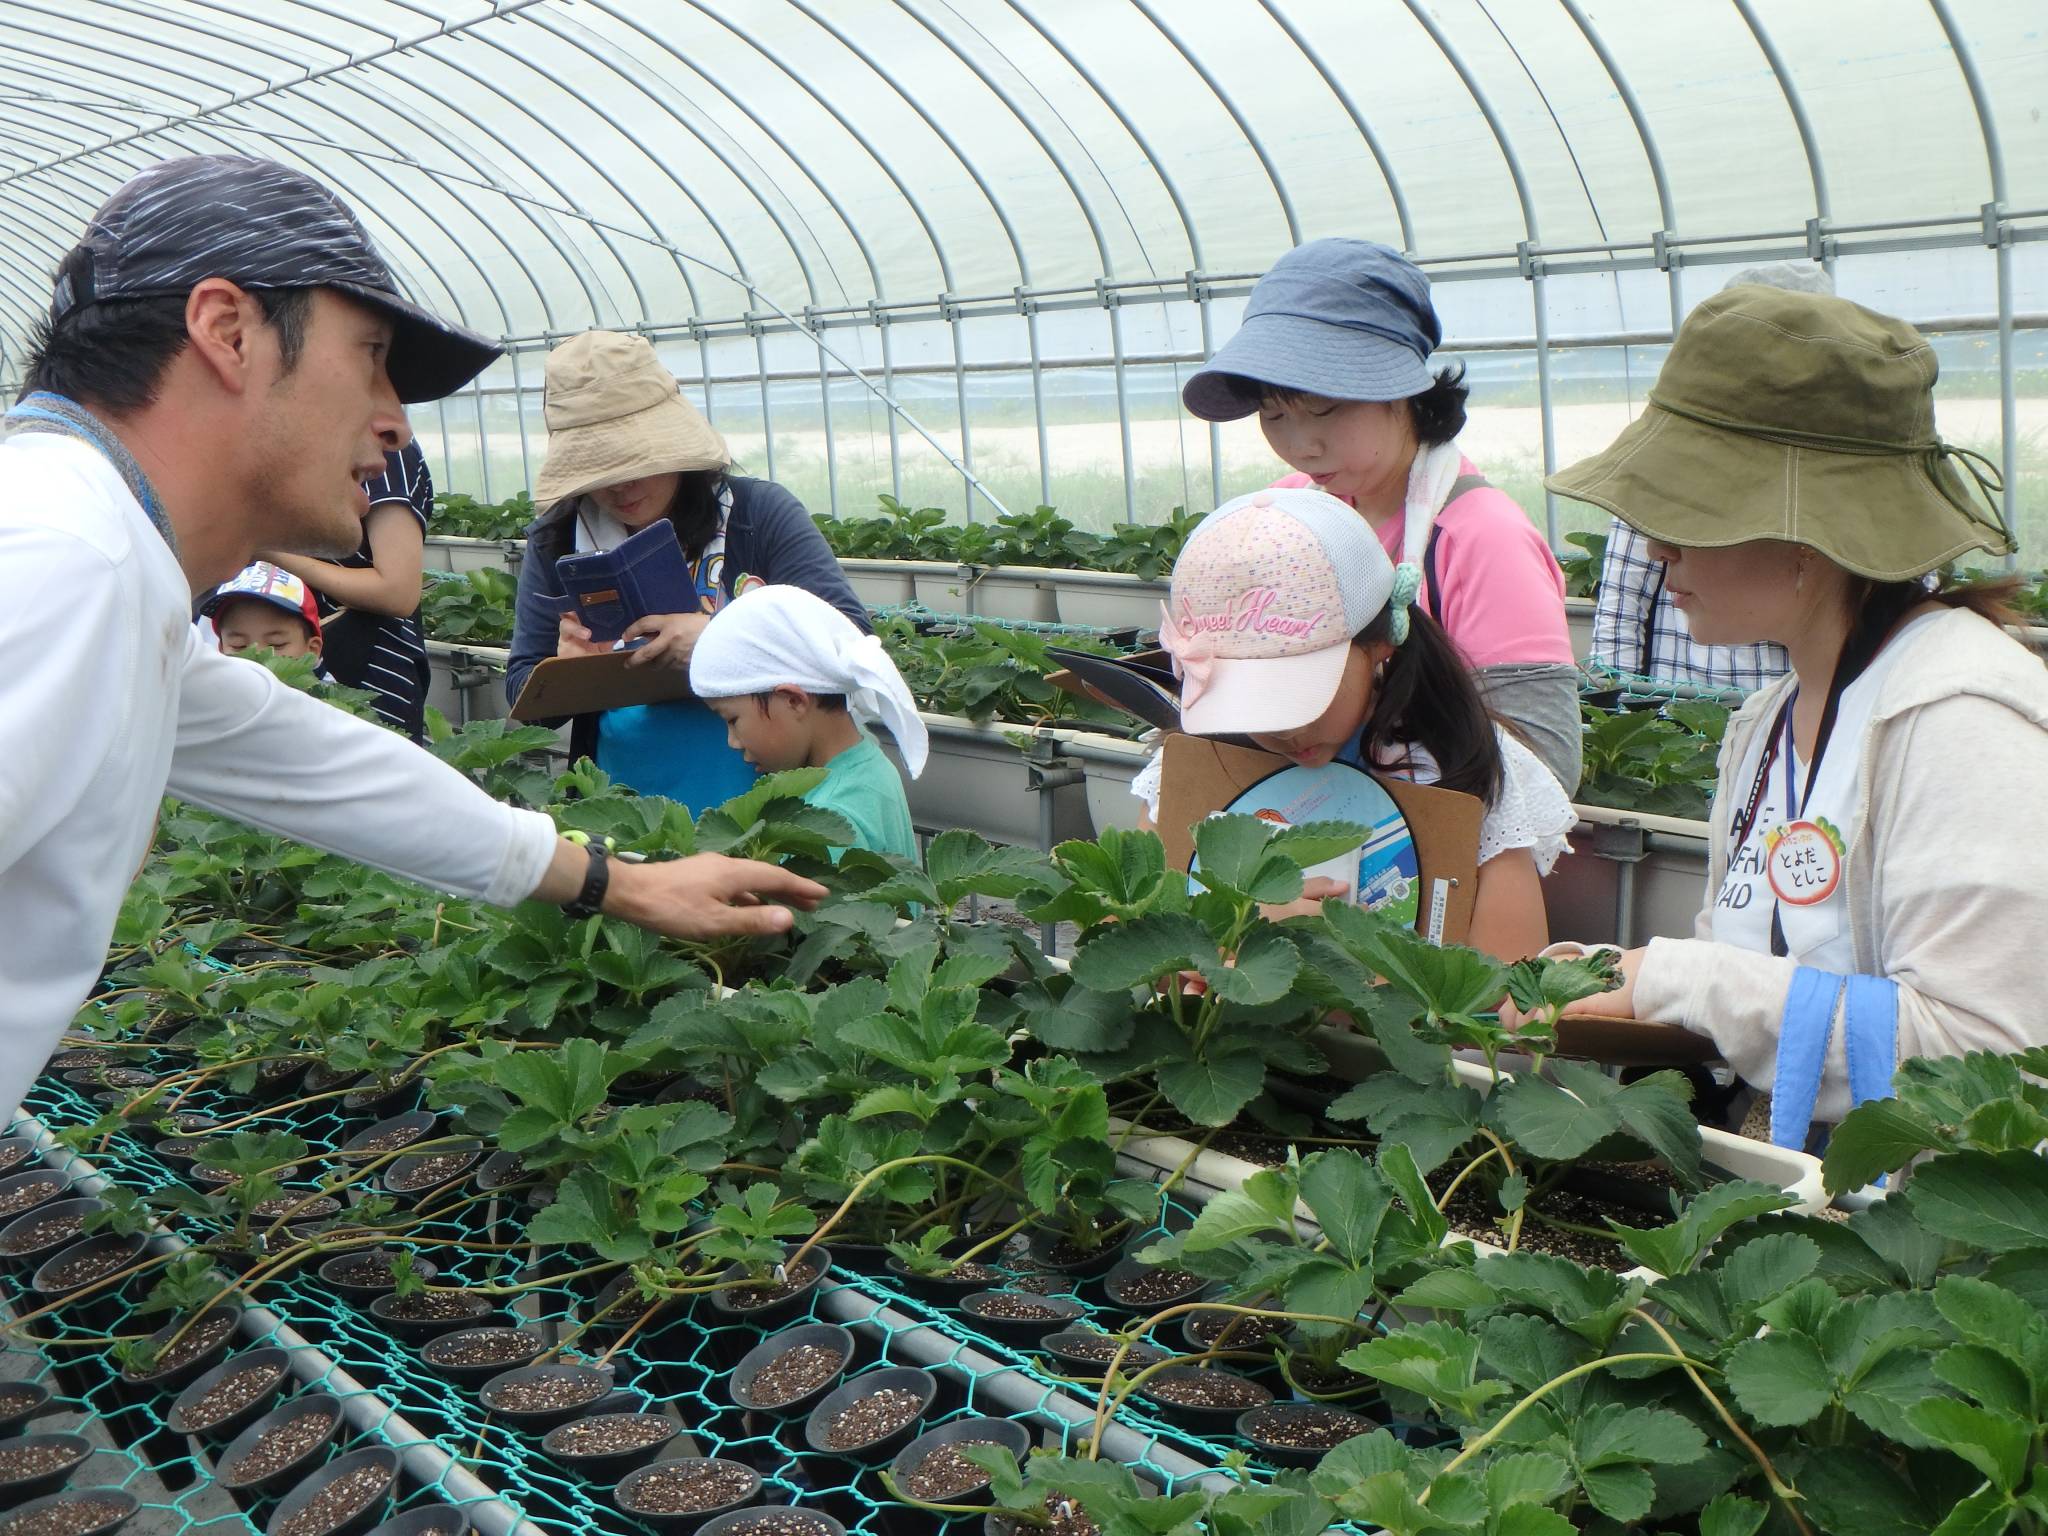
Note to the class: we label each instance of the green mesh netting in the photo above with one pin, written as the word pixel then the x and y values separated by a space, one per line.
pixel 678 1362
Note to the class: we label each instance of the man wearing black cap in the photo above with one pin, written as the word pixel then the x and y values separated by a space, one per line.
pixel 227 359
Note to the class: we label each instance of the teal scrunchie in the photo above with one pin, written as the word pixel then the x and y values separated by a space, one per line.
pixel 1407 582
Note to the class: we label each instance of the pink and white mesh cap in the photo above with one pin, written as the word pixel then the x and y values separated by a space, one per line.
pixel 1266 596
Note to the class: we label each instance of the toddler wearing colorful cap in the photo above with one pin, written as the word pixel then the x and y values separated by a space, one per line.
pixel 265 608
pixel 1287 623
pixel 796 685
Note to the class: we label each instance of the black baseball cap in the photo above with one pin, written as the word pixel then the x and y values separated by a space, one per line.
pixel 261 225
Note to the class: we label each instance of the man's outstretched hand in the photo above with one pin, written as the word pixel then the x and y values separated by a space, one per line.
pixel 709 896
pixel 705 896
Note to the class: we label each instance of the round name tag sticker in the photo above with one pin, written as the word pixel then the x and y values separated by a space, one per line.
pixel 1803 862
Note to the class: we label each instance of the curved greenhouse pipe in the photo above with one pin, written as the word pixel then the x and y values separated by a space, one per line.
pixel 1358 121
pixel 1180 208
pixel 1810 144
pixel 1994 155
pixel 1634 108
pixel 1535 266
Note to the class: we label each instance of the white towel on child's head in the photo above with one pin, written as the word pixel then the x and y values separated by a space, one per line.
pixel 786 637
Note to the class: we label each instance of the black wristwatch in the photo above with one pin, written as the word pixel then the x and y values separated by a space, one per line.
pixel 590 900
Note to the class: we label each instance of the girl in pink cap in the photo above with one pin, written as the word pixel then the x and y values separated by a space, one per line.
pixel 1288 624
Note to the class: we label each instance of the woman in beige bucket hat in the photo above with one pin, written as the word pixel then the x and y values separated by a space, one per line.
pixel 624 450
pixel 1875 888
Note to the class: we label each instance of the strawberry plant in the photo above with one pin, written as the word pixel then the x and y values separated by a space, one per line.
pixel 474 607
pixel 460 516
pixel 1659 761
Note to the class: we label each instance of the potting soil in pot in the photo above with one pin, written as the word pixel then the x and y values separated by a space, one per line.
pixel 391 1140
pixel 299 1206
pixel 74 1517
pixel 486 1346
pixel 198 1339
pixel 338 1502
pixel 688 1486
pixel 375 1269
pixel 1064 1517
pixel 13 1399
pixel 1155 1287
pixel 1016 1309
pixel 20 1462
pixel 749 1298
pixel 434 1169
pixel 1307 1426
pixel 793 1373
pixel 47 1233
pixel 610 1434
pixel 946 1474
pixel 15 1201
pixel 871 1417
pixel 1102 1349
pixel 279 1448
pixel 13 1157
pixel 1197 1388
pixel 435 1306
pixel 231 1394
pixel 786 1522
pixel 540 1393
pixel 87 1267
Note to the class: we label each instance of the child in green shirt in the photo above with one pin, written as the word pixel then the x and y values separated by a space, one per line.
pixel 796 685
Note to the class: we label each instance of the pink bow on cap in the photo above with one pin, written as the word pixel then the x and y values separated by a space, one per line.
pixel 1194 656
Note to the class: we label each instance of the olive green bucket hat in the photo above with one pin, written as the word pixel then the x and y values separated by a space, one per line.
pixel 1801 417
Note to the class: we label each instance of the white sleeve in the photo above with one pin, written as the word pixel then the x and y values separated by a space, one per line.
pixel 1530 811
pixel 251 748
pixel 1145 782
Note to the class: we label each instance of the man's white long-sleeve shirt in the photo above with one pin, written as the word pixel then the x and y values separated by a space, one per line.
pixel 109 699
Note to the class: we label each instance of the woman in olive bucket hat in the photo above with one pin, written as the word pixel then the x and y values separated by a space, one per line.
pixel 624 449
pixel 1876 889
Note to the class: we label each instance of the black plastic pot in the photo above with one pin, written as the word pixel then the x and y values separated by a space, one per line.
pixel 894 1378
pixel 1250 1333
pixel 371 1102
pixel 1061 1347
pixel 538 1421
pixel 1055 1313
pixel 325 1404
pixel 131 1079
pixel 503 1170
pixel 1007 1433
pixel 18 1229
pixel 277 1080
pixel 745 1305
pixel 356 1149
pixel 433 1520
pixel 435 1354
pixel 1259 1425
pixel 334 1274
pixel 185 1372
pixel 604 1320
pixel 29 1400
pixel 178 1418
pixel 607 1466
pixel 321 1078
pixel 623 1495
pixel 188 1122
pixel 946 1289
pixel 1051 1251
pixel 14 1183
pixel 1200 1418
pixel 418 1330
pixel 76 1447
pixel 86 1056
pixel 1126 1273
pixel 117 1505
pixel 16 1153
pixel 399 1178
pixel 741 1520
pixel 381 1457
pixel 89 1301
pixel 740 1384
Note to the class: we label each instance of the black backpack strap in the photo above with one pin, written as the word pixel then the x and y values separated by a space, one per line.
pixel 1459 487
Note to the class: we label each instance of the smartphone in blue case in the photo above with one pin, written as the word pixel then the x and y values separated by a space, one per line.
pixel 613 588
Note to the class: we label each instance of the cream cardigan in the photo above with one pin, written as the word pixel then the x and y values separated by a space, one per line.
pixel 1946 869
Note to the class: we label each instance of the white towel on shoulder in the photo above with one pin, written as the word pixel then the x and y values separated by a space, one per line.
pixel 788 637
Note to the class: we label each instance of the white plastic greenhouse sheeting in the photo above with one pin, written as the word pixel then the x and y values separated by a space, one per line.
pixel 1056 206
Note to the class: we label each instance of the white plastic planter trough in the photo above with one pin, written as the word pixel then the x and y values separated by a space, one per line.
pixel 466 682
pixel 465 555
pixel 979 779
pixel 1630 878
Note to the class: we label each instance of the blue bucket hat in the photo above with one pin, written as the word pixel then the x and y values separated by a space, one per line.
pixel 1344 319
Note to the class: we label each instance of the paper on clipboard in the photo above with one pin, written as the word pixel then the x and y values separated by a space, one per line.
pixel 580 685
pixel 1436 829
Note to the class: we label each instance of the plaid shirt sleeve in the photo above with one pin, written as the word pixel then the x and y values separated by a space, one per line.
pixel 1628 585
pixel 1639 632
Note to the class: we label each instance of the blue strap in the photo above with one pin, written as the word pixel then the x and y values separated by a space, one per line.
pixel 1870 1020
pixel 1803 1032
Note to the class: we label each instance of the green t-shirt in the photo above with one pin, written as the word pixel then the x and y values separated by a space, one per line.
pixel 862 785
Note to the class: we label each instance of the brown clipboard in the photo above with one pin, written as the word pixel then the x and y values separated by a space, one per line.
pixel 1633 1042
pixel 1199 777
pixel 580 685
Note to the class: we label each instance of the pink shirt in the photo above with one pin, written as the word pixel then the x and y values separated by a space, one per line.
pixel 1503 592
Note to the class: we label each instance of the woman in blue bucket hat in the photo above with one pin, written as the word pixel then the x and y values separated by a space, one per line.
pixel 1874 864
pixel 1334 358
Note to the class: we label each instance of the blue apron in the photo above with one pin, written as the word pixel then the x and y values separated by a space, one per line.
pixel 675 749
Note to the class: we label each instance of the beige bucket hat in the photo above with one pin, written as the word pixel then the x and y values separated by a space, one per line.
pixel 615 412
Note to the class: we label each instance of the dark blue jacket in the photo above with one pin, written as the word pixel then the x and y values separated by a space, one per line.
pixel 769 536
